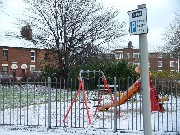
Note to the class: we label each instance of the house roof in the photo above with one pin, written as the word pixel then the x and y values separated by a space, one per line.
pixel 15 42
pixel 10 27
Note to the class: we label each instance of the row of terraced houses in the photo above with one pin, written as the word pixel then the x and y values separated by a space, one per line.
pixel 157 60
pixel 21 61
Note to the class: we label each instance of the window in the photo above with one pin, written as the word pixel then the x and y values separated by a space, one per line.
pixel 172 63
pixel 32 68
pixel 135 55
pixel 136 63
pixel 171 55
pixel 4 70
pixel 159 63
pixel 160 55
pixel 5 55
pixel 128 55
pixel 119 56
pixel 32 55
pixel 116 56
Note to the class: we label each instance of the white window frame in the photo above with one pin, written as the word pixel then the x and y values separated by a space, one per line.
pixel 160 55
pixel 3 71
pixel 32 66
pixel 136 54
pixel 171 55
pixel 128 55
pixel 136 63
pixel 118 56
pixel 5 57
pixel 160 62
pixel 172 63
pixel 34 57
pixel 121 56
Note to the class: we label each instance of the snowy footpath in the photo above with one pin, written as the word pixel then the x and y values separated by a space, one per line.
pixel 22 130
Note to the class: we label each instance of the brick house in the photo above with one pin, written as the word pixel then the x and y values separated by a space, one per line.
pixel 157 61
pixel 129 53
pixel 19 62
pixel 163 61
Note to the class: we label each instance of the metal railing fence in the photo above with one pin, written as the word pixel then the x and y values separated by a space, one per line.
pixel 45 102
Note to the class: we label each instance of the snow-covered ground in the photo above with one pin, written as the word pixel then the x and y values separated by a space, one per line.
pixel 129 122
pixel 21 130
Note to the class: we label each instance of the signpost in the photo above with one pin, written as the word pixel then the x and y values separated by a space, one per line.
pixel 138 26
pixel 138 21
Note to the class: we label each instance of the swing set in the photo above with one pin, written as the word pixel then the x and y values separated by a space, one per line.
pixel 81 88
pixel 155 105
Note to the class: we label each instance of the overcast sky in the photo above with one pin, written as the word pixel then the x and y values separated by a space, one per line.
pixel 159 15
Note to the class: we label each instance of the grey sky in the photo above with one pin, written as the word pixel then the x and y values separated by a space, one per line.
pixel 159 15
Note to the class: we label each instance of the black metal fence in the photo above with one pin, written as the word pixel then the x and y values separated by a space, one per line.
pixel 46 102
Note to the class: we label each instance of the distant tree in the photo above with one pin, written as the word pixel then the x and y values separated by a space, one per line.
pixel 74 29
pixel 172 35
pixel 2 4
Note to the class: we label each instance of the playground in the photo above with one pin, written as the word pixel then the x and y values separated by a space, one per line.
pixel 111 103
pixel 48 104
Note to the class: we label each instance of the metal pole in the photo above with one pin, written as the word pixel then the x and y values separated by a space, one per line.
pixel 115 106
pixel 178 63
pixel 49 102
pixel 143 45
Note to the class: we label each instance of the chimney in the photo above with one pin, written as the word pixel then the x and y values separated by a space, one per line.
pixel 26 32
pixel 130 44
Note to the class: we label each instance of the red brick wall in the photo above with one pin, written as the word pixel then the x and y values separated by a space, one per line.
pixel 21 56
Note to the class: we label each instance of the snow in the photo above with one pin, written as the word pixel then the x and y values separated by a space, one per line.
pixel 38 116
pixel 11 25
pixel 19 130
pixel 15 42
pixel 59 131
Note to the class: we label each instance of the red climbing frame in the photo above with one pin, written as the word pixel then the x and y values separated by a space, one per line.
pixel 155 105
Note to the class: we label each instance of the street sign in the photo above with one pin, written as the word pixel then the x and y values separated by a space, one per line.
pixel 138 21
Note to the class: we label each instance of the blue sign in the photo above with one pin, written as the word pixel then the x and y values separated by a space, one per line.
pixel 133 26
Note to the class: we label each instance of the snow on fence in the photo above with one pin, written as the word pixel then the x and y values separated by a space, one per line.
pixel 46 102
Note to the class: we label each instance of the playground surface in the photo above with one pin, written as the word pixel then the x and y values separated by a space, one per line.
pixel 89 129
pixel 124 123
pixel 68 131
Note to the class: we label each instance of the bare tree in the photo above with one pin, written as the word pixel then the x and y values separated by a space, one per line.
pixel 74 29
pixel 2 4
pixel 172 35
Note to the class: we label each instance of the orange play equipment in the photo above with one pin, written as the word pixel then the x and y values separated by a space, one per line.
pixel 155 105
pixel 124 97
pixel 163 99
